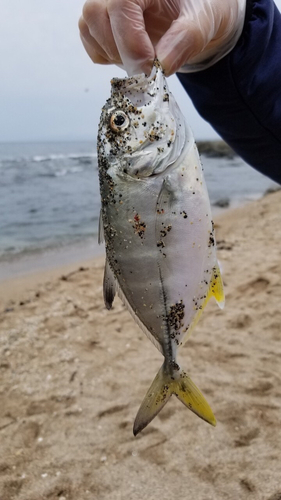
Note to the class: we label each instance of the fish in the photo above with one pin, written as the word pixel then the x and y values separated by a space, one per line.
pixel 157 227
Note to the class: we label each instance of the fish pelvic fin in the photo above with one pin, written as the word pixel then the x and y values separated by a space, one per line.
pixel 163 386
pixel 216 288
pixel 109 286
pixel 101 230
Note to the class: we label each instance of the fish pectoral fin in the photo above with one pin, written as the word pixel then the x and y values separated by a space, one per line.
pixel 216 288
pixel 160 391
pixel 101 230
pixel 109 286
pixel 166 197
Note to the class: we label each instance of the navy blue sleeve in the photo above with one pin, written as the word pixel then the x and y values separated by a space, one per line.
pixel 241 94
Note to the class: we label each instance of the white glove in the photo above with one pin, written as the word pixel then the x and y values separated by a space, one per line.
pixel 185 35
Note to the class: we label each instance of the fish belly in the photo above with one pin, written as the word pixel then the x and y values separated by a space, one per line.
pixel 131 248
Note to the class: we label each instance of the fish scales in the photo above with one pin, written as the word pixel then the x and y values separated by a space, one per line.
pixel 158 230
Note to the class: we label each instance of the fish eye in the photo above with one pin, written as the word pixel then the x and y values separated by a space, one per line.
pixel 119 121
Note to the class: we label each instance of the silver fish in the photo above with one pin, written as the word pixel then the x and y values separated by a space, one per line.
pixel 157 226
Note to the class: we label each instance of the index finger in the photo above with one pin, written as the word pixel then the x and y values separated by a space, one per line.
pixel 128 27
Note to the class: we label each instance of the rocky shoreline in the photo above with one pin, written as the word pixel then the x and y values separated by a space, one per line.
pixel 215 149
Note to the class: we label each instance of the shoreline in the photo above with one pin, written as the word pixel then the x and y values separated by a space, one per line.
pixel 21 274
pixel 13 288
pixel 46 260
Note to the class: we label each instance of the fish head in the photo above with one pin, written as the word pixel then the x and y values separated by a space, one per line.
pixel 142 130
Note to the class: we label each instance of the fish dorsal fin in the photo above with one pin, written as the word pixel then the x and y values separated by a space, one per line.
pixel 166 197
pixel 109 286
pixel 101 231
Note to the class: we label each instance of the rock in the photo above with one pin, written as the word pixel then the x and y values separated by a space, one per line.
pixel 215 149
pixel 272 190
pixel 222 203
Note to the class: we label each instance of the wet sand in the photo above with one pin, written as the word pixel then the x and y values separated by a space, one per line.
pixel 73 376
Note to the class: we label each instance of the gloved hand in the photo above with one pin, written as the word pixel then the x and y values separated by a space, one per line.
pixel 185 35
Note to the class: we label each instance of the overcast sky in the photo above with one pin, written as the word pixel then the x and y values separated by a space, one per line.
pixel 49 88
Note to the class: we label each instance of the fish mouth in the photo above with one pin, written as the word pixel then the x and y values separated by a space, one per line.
pixel 139 78
pixel 141 89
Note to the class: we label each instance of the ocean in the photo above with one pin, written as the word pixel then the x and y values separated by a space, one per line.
pixel 49 195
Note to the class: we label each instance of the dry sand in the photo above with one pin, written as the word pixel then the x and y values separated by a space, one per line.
pixel 73 376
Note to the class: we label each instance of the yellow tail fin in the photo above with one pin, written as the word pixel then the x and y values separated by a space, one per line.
pixel 160 391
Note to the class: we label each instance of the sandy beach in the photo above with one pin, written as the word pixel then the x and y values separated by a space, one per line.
pixel 74 374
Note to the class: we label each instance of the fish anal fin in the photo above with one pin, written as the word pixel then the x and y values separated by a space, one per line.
pixel 160 391
pixel 109 286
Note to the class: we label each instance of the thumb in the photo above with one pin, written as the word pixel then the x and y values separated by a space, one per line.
pixel 134 45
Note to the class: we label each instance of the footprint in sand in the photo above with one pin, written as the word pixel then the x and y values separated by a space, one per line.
pixel 247 438
pixel 209 473
pixel 55 403
pixel 232 416
pixel 10 489
pixel 240 321
pixel 26 434
pixel 247 485
pixel 275 496
pixel 112 410
pixel 257 285
pixel 261 389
